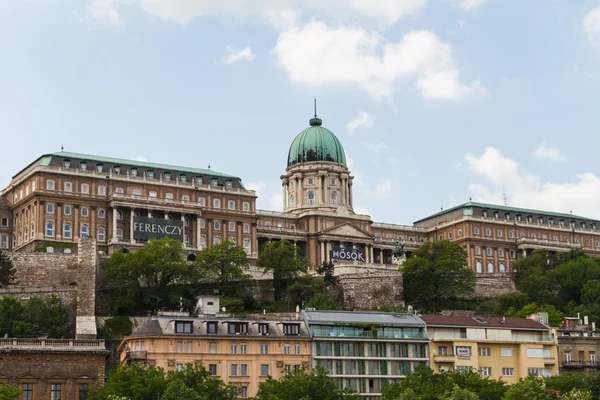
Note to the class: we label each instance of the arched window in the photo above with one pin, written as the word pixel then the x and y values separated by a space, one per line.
pixel 202 242
pixel 169 196
pixel 490 268
pixel 202 223
pixel 286 348
pixel 247 246
pixel 67 210
pixel 478 267
pixel 477 250
pixel 85 212
pixel 67 231
pixel 50 208
pixel 84 231
pixel 101 234
pixel 291 199
pixel 246 228
pixel 311 197
pixel 119 214
pixel 49 228
pixel 297 348
pixel 217 240
pixel 502 268
pixel 190 347
pixel 179 346
pixel 217 225
pixel 101 213
pixel 232 227
pixel 119 234
pixel 333 197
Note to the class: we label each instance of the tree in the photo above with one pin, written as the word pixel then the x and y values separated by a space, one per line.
pixel 9 392
pixel 177 390
pixel 303 385
pixel 46 317
pixel 436 273
pixel 530 388
pixel 7 270
pixel 12 320
pixel 460 394
pixel 570 277
pixel 554 316
pixel 577 394
pixel 223 263
pixel 321 301
pixel 326 270
pixel 132 381
pixel 305 288
pixel 531 277
pixel 202 383
pixel 284 260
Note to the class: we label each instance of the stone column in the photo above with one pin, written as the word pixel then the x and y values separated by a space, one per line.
pixel 322 251
pixel 93 216
pixel 131 215
pixel 59 228
pixel 327 252
pixel 209 224
pixel 149 213
pixel 166 215
pixel 343 191
pixel 350 200
pixel 319 189
pixel 366 253
pixel 380 256
pixel 284 193
pixel 371 256
pixel 76 229
pixel 183 221
pixel 198 231
pixel 114 225
pixel 300 199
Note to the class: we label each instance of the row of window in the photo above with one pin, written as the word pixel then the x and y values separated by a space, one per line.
pixel 243 371
pixel 490 267
pixel 56 391
pixel 310 197
pixel 540 219
pixel 150 174
pixel 311 181
pixel 490 252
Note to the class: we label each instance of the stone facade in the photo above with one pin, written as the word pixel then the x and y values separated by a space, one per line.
pixel 368 290
pixel 494 285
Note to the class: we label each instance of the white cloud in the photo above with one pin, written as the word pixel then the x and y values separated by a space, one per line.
pixel 376 147
pixel 316 54
pixel 470 4
pixel 258 186
pixel 591 25
pixel 392 160
pixel 104 10
pixel 362 119
pixel 140 158
pixel 234 55
pixel 361 210
pixel 545 151
pixel 383 189
pixel 524 189
pixel 385 12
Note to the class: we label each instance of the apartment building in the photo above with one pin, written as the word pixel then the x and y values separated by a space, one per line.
pixel 364 350
pixel 501 348
pixel 578 346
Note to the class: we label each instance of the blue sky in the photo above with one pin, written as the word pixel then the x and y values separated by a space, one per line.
pixel 434 101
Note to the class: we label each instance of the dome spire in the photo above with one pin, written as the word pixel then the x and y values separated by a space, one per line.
pixel 315 121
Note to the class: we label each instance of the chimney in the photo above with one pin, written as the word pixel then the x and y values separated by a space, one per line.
pixel 585 320
pixel 594 326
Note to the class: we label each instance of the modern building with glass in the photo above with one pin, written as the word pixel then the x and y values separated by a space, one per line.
pixel 364 350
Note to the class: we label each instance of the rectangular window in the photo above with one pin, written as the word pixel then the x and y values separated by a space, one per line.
pixel 535 353
pixel 500 233
pixel 234 370
pixel 506 352
pixel 211 327
pixel 513 254
pixel 475 231
pixel 264 348
pixel 488 232
pixel 246 206
pixel 212 369
pixel 442 351
pixel 264 369
pixel 27 391
pixel 179 367
pixel 508 372
pixel 244 392
pixel 231 205
pixel 485 371
pixel 244 369
pixel 212 347
pixel 263 329
pixel 50 185
pixel 237 328
pixel 484 351
pixel 183 327
pixel 5 222
pixel 55 391
pixel 291 329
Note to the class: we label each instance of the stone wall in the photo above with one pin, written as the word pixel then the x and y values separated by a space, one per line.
pixel 494 285
pixel 45 269
pixel 372 289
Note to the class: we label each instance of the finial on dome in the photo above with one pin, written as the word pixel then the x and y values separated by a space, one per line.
pixel 315 121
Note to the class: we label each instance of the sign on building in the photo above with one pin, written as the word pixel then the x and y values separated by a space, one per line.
pixel 157 228
pixel 348 254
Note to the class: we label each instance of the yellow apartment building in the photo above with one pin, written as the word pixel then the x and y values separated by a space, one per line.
pixel 501 348
pixel 239 351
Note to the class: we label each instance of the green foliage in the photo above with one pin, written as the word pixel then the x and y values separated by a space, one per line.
pixel 427 385
pixel 514 300
pixel 577 394
pixel 531 278
pixel 321 301
pixel 436 273
pixel 115 328
pixel 530 388
pixel 177 390
pixel 38 317
pixel 460 394
pixel 134 382
pixel 326 271
pixel 222 263
pixel 305 288
pixel 9 392
pixel 408 394
pixel 202 383
pixel 284 260
pixel 571 276
pixel 554 316
pixel 232 305
pixel 303 385
pixel 7 270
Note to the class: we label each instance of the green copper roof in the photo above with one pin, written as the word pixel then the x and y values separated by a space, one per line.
pixel 142 164
pixel 316 144
pixel 494 207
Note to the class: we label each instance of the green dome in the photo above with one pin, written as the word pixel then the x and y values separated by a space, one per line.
pixel 316 144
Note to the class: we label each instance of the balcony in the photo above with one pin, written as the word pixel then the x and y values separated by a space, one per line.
pixel 52 344
pixel 557 245
pixel 280 229
pixel 581 364
pixel 137 355
pixel 549 360
pixel 444 358
pixel 154 201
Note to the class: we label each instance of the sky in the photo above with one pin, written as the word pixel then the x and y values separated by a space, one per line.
pixel 434 101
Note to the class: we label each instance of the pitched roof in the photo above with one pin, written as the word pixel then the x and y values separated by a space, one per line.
pixel 482 322
pixel 361 317
pixel 503 208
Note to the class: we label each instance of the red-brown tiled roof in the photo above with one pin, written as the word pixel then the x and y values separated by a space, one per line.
pixel 491 322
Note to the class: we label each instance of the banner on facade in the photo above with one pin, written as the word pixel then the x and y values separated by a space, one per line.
pixel 157 228
pixel 348 254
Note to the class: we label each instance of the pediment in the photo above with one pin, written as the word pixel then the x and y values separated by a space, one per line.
pixel 27 376
pixel 347 230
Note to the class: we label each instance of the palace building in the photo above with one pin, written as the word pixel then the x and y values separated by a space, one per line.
pixel 61 197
